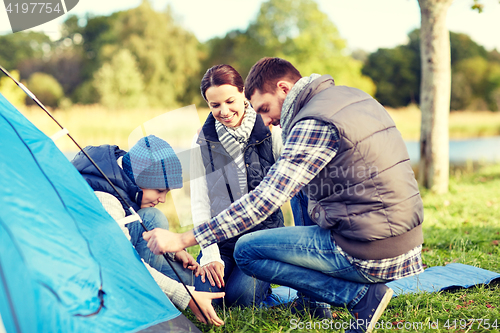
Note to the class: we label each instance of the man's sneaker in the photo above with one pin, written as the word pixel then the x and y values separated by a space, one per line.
pixel 369 309
pixel 317 310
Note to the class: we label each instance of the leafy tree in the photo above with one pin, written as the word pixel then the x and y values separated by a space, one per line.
pixel 65 65
pixel 301 33
pixel 360 55
pixel 494 56
pixel 474 72
pixel 85 57
pixel 97 33
pixel 463 47
pixel 46 88
pixel 119 83
pixel 475 83
pixel 461 89
pixel 11 91
pixel 493 86
pixel 394 75
pixel 297 31
pixel 237 48
pixel 21 46
pixel 397 72
pixel 86 93
pixel 167 55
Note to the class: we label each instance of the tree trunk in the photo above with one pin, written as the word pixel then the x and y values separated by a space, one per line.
pixel 435 90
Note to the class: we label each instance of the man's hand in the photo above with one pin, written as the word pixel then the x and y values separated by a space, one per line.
pixel 187 261
pixel 204 300
pixel 161 241
pixel 214 271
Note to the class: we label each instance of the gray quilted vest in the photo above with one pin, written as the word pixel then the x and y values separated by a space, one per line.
pixel 367 195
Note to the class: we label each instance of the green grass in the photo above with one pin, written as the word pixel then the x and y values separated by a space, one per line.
pixel 462 226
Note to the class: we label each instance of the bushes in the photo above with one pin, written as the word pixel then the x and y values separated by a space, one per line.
pixel 119 83
pixel 10 90
pixel 46 88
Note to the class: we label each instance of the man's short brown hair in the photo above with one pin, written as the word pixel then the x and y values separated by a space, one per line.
pixel 264 75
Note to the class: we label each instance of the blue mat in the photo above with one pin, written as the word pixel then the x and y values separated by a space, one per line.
pixel 433 279
pixel 440 278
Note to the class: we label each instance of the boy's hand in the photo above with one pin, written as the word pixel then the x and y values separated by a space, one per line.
pixel 204 300
pixel 187 260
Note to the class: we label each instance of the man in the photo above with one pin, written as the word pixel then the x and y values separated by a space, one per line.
pixel 344 152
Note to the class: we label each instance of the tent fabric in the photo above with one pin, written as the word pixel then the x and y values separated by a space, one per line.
pixel 65 264
pixel 178 324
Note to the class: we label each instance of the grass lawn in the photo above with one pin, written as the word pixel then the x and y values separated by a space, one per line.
pixel 462 226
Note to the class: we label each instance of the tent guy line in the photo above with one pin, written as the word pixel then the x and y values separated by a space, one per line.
pixel 136 216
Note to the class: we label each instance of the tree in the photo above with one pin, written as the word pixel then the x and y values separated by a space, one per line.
pixel 237 48
pixel 397 72
pixel 301 33
pixel 97 33
pixel 65 65
pixel 46 88
pixel 11 91
pixel 20 46
pixel 493 87
pixel 119 82
pixel 297 31
pixel 435 95
pixel 470 81
pixel 167 55
pixel 494 56
pixel 394 74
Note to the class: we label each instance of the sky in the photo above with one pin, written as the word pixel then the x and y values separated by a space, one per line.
pixel 364 24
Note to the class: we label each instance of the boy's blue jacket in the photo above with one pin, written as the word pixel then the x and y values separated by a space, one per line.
pixel 106 156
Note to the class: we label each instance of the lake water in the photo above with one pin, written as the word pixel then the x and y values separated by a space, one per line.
pixel 461 151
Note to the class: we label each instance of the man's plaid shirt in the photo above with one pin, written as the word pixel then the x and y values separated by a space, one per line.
pixel 310 145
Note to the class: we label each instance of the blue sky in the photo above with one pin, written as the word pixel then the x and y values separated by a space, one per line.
pixel 364 24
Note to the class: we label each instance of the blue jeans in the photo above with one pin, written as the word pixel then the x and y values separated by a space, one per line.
pixel 299 210
pixel 301 218
pixel 154 218
pixel 303 258
pixel 241 289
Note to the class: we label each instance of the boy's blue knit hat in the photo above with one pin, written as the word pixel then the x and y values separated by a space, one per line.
pixel 153 164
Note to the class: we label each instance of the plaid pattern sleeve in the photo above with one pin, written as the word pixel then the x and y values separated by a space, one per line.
pixel 310 145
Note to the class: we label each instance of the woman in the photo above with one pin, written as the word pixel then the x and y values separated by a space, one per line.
pixel 231 155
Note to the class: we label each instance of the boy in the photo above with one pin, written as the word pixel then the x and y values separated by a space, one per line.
pixel 144 176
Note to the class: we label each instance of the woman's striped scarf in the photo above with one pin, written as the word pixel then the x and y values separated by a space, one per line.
pixel 234 140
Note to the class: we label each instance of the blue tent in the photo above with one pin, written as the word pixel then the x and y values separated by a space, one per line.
pixel 65 265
